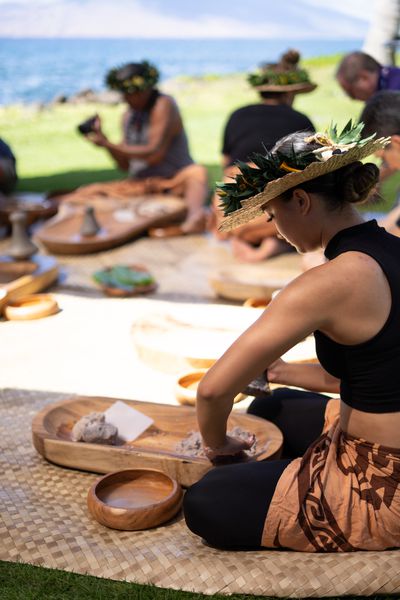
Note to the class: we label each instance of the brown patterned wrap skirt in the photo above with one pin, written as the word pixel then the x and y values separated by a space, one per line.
pixel 343 495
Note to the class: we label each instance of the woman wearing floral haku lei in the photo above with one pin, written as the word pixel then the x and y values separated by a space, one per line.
pixel 154 148
pixel 343 494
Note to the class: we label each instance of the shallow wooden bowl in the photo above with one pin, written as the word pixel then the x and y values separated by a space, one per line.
pixel 186 387
pixel 34 306
pixel 255 280
pixel 256 302
pixel 136 290
pixel 134 499
pixel 189 337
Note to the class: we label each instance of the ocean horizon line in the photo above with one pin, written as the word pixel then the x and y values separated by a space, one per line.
pixel 38 69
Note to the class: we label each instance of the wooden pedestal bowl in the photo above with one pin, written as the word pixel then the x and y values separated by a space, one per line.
pixel 186 387
pixel 134 499
pixel 35 205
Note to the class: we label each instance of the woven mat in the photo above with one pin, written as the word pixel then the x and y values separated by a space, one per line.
pixel 44 521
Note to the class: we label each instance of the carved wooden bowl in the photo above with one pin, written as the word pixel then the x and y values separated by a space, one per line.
pixel 256 302
pixel 33 306
pixel 134 499
pixel 186 387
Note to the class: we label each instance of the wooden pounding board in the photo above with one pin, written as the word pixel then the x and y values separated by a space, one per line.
pixel 242 281
pixel 120 221
pixel 193 335
pixel 154 449
pixel 18 278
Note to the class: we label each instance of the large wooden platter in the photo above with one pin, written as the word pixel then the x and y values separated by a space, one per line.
pixel 120 221
pixel 154 449
pixel 19 278
pixel 242 281
pixel 187 336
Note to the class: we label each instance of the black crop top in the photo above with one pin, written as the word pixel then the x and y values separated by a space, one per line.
pixel 369 373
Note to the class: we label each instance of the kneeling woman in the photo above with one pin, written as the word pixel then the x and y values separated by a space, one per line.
pixel 343 494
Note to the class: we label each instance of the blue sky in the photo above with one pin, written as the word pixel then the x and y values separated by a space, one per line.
pixel 182 18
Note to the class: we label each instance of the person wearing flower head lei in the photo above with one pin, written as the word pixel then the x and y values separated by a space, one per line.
pixel 343 493
pixel 256 127
pixel 154 149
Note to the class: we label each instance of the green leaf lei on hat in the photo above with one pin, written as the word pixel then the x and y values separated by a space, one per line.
pixel 271 77
pixel 274 165
pixel 147 79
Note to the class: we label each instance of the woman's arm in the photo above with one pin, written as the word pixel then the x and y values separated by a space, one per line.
pixel 160 122
pixel 161 131
pixel 302 307
pixel 307 376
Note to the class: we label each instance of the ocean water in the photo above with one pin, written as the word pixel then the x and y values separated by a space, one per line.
pixel 36 70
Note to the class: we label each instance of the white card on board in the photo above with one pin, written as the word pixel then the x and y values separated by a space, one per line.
pixel 130 422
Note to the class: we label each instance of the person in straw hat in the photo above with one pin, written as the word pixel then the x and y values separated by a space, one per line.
pixel 254 127
pixel 343 494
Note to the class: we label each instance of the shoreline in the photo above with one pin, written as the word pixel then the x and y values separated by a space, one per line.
pixel 314 62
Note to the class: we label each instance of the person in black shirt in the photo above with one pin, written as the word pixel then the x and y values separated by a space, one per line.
pixel 255 127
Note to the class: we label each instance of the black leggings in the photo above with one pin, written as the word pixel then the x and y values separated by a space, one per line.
pixel 229 505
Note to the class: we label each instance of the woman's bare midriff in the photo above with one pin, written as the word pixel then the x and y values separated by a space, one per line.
pixel 378 428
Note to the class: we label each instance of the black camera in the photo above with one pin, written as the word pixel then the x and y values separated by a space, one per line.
pixel 87 126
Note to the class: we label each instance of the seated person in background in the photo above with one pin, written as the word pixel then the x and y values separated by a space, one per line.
pixel 257 127
pixel 361 76
pixel 154 148
pixel 8 172
pixel 381 114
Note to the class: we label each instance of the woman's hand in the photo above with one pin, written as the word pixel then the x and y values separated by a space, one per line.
pixel 233 450
pixel 276 370
pixel 96 136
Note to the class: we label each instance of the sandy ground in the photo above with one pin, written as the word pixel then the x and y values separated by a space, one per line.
pixel 88 348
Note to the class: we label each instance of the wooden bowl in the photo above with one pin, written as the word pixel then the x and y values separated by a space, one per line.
pixel 34 306
pixel 256 302
pixel 136 290
pixel 186 387
pixel 134 499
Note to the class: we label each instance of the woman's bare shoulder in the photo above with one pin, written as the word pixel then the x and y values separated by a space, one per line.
pixel 326 286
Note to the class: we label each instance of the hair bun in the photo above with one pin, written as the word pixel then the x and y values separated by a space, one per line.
pixel 357 181
pixel 290 59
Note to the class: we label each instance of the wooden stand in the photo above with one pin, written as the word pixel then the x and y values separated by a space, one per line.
pixel 35 205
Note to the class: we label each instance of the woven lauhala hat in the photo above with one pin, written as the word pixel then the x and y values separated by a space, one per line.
pixel 283 76
pixel 252 207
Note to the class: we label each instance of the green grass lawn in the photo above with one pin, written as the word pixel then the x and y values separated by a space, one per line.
pixel 24 582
